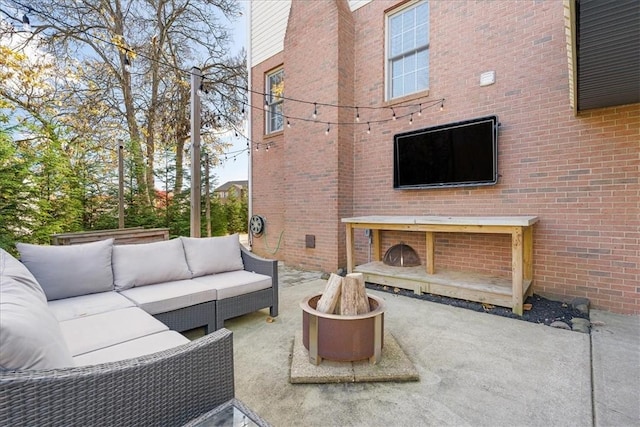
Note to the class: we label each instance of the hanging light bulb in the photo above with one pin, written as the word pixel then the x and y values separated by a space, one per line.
pixel 127 64
pixel 257 146
pixel 420 110
pixel 411 119
pixel 368 128
pixel 394 113
pixel 326 132
pixel 442 104
pixel 26 25
pixel 315 110
pixel 267 149
pixel 357 115
pixel 288 124
pixel 266 103
pixel 242 109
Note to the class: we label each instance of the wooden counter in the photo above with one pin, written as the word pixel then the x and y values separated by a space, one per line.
pixel 470 286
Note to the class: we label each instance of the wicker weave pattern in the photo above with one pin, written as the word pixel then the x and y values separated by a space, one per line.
pixel 166 388
pixel 248 303
pixel 190 317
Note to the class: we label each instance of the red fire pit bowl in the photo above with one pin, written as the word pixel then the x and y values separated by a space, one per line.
pixel 342 338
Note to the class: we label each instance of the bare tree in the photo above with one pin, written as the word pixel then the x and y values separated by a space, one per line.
pixel 130 62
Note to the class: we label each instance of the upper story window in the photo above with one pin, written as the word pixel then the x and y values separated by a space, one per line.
pixel 408 50
pixel 274 101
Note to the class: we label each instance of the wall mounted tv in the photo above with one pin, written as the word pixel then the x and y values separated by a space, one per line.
pixel 452 155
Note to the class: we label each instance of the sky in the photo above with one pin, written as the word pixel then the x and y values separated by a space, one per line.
pixel 236 170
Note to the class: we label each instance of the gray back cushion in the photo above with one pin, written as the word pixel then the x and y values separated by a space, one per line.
pixel 30 336
pixel 12 268
pixel 213 254
pixel 69 271
pixel 149 263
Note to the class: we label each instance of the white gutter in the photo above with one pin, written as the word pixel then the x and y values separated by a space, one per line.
pixel 249 128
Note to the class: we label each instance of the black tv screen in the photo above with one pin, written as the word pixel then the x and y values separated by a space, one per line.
pixel 456 154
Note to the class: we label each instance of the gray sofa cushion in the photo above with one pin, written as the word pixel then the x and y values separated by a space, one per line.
pixel 213 254
pixel 149 263
pixel 91 333
pixel 30 337
pixel 169 296
pixel 68 271
pixel 11 267
pixel 88 305
pixel 234 283
pixel 138 347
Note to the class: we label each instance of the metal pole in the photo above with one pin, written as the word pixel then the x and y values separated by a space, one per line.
pixel 207 195
pixel 120 184
pixel 196 81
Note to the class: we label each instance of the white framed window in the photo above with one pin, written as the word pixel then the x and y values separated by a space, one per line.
pixel 407 53
pixel 274 101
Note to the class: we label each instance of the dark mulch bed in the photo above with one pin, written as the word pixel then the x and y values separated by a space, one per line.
pixel 542 310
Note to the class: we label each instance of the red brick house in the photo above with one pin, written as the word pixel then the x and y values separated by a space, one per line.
pixel 568 144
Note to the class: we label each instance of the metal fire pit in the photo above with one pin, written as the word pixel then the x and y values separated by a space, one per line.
pixel 342 338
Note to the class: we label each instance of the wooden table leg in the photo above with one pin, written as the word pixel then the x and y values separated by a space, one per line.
pixel 528 258
pixel 350 248
pixel 375 241
pixel 431 268
pixel 517 270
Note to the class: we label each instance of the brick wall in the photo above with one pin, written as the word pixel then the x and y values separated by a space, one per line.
pixel 580 175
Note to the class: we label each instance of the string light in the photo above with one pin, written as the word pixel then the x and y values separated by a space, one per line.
pixel 201 92
pixel 288 124
pixel 26 25
pixel 328 129
pixel 266 103
pixel 127 64
pixel 411 119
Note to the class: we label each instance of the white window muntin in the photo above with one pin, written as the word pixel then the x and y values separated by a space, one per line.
pixel 407 64
pixel 274 101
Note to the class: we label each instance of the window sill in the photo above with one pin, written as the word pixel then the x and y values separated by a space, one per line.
pixel 406 98
pixel 273 134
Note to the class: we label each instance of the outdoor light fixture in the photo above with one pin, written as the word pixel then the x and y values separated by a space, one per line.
pixel 127 64
pixel 26 25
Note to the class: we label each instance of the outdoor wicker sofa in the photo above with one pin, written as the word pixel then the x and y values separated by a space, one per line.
pixel 168 388
pixel 82 338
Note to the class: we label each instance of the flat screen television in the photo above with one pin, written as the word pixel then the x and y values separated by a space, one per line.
pixel 452 155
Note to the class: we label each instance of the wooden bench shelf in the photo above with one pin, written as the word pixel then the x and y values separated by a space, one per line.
pixel 471 286
pixel 491 289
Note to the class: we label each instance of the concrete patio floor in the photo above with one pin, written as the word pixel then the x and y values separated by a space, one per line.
pixel 475 369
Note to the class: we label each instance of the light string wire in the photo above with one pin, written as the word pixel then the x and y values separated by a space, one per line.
pixel 417 107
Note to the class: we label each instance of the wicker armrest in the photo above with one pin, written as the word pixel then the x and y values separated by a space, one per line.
pixel 253 262
pixel 264 266
pixel 166 388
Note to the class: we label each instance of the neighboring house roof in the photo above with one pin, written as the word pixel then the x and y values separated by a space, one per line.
pixel 229 184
